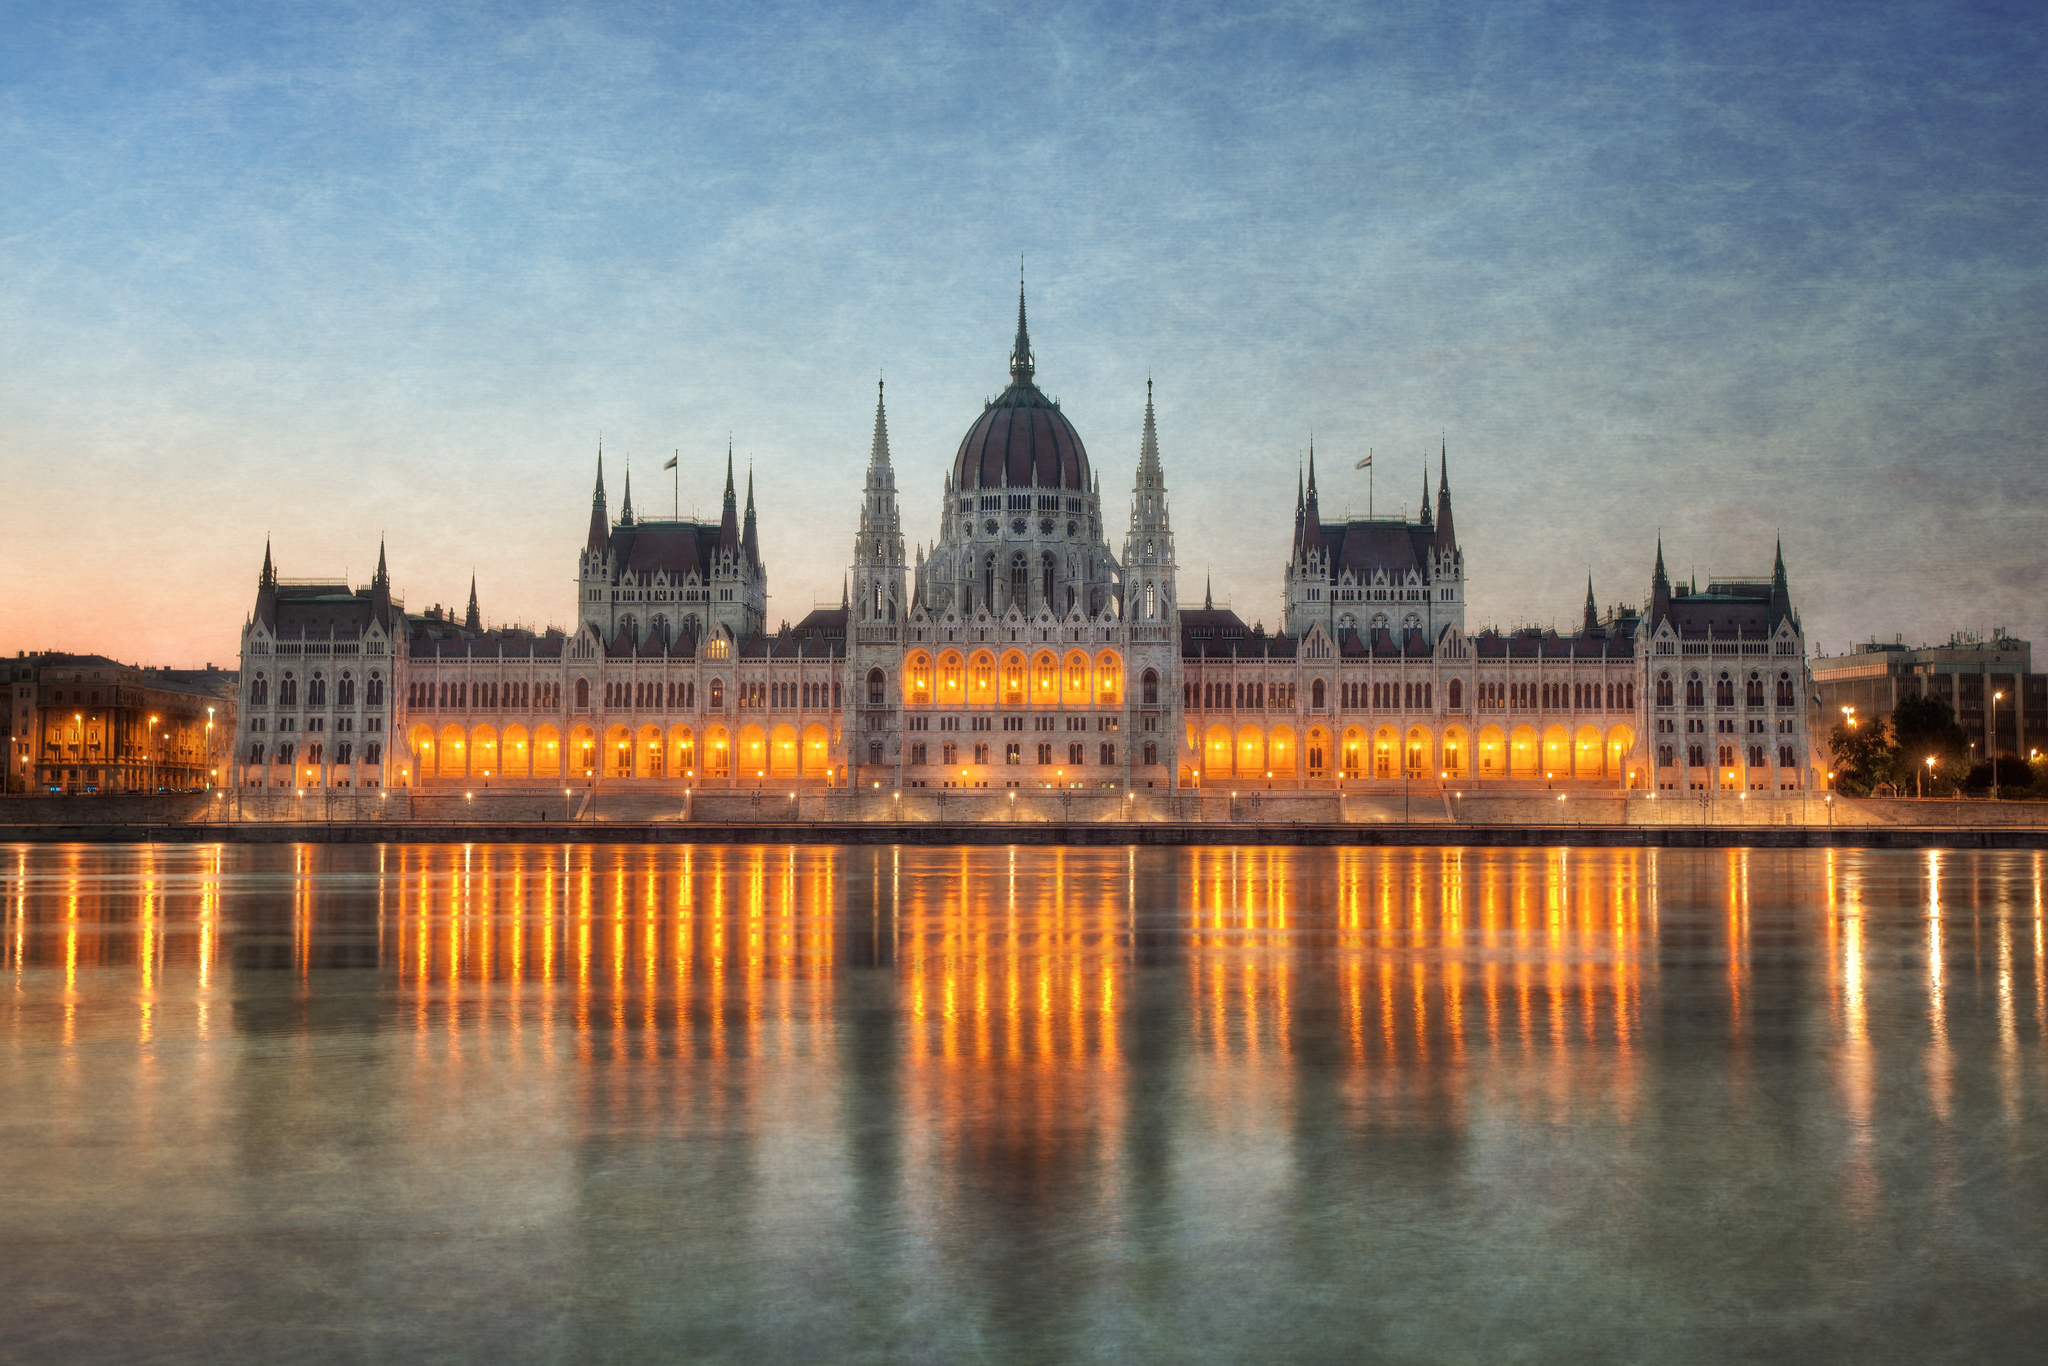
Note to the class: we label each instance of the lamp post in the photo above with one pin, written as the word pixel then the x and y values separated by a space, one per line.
pixel 1923 775
pixel 1993 744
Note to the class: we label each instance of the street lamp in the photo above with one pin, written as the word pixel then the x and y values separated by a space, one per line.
pixel 1928 773
pixel 1993 746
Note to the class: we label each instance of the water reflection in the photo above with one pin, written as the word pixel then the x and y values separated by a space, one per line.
pixel 931 1101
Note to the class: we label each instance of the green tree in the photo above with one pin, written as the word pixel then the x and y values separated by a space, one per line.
pixel 1865 756
pixel 1926 728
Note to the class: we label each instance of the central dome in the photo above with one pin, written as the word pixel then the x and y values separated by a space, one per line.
pixel 1022 440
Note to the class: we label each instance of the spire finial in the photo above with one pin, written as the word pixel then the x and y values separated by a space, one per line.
pixel 1020 353
pixel 1208 594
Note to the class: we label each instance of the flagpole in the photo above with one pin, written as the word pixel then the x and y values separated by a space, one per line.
pixel 673 466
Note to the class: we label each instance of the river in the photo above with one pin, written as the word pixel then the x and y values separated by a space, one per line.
pixel 547 1103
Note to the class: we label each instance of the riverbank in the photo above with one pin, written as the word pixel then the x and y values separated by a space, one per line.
pixel 1038 833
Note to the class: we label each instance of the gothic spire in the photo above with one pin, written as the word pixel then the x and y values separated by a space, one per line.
pixel 266 590
pixel 269 575
pixel 845 600
pixel 380 590
pixel 1427 519
pixel 1150 475
pixel 1208 594
pixel 1660 588
pixel 1446 536
pixel 729 520
pixel 472 620
pixel 1020 353
pixel 750 540
pixel 1781 591
pixel 600 525
pixel 626 509
pixel 878 451
pixel 382 575
pixel 1312 470
pixel 1592 610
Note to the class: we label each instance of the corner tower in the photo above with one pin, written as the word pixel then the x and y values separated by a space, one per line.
pixel 872 717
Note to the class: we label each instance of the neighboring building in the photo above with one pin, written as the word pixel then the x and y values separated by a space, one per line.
pixel 98 725
pixel 1967 673
pixel 18 720
pixel 1020 651
pixel 317 683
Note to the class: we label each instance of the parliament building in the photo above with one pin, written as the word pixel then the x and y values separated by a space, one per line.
pixel 1021 651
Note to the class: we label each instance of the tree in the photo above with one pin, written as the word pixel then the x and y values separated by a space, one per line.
pixel 1926 728
pixel 1864 756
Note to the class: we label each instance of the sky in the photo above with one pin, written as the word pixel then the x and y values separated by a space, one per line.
pixel 325 273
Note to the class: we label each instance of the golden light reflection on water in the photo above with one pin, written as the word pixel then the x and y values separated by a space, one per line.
pixel 1018 988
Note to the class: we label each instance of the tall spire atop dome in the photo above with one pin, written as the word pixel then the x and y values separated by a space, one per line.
pixel 1020 354
pixel 878 451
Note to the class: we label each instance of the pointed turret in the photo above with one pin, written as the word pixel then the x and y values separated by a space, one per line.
pixel 600 526
pixel 1427 520
pixel 1660 589
pixel 1148 583
pixel 1781 590
pixel 1020 353
pixel 472 620
pixel 1310 539
pixel 626 507
pixel 729 520
pixel 1592 622
pixel 380 590
pixel 1208 594
pixel 1446 535
pixel 750 540
pixel 266 589
pixel 845 600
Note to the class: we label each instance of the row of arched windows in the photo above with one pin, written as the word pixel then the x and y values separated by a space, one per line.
pixel 316 689
pixel 1784 694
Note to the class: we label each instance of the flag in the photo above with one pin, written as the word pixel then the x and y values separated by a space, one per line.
pixel 1363 464
pixel 672 462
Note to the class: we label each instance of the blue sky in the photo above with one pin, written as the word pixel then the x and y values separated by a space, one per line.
pixel 323 272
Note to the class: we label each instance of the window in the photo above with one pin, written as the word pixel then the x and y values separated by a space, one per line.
pixel 718 694
pixel 1151 753
pixel 342 752
pixel 583 694
pixel 1784 756
pixel 288 692
pixel 1724 690
pixel 1784 689
pixel 874 751
pixel 1315 694
pixel 1663 756
pixel 1695 690
pixel 877 687
pixel 256 753
pixel 1020 581
pixel 1756 756
pixel 1150 684
pixel 917 755
pixel 1077 754
pixel 376 690
pixel 1664 689
pixel 1696 755
pixel 950 753
pixel 285 752
pixel 981 754
pixel 1045 754
pixel 316 691
pixel 1725 755
pixel 1457 694
pixel 1013 752
pixel 373 753
pixel 259 692
pixel 1107 754
pixel 1753 694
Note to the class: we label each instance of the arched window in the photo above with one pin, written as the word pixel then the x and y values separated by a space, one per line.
pixel 259 693
pixel 1753 693
pixel 1150 684
pixel 288 691
pixel 988 582
pixel 1315 694
pixel 1784 689
pixel 345 691
pixel 374 694
pixel 583 694
pixel 1724 690
pixel 1151 601
pixel 1020 582
pixel 1457 694
pixel 1664 688
pixel 1695 690
pixel 877 687
pixel 316 690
